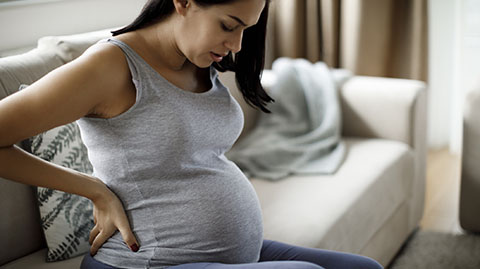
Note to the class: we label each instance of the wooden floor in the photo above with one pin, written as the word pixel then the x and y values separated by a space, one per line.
pixel 442 192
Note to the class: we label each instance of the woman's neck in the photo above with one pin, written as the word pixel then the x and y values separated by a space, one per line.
pixel 161 47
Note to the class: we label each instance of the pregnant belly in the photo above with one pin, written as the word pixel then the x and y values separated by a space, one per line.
pixel 208 218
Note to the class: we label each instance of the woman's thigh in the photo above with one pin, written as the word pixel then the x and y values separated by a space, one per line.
pixel 280 255
pixel 276 255
pixel 258 265
pixel 89 262
pixel 276 251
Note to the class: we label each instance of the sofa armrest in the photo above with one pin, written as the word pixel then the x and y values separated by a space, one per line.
pixel 394 109
pixel 379 107
pixel 388 108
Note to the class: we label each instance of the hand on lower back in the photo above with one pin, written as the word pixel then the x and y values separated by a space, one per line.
pixel 109 216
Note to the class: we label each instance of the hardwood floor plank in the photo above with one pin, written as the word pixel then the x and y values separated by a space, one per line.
pixel 442 192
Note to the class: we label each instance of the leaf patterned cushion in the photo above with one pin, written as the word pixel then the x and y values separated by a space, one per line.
pixel 66 218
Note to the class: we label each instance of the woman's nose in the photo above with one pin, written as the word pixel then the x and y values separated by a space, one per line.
pixel 234 44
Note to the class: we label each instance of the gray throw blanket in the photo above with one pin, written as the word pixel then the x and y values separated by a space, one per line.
pixel 302 134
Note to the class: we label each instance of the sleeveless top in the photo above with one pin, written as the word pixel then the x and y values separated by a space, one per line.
pixel 164 158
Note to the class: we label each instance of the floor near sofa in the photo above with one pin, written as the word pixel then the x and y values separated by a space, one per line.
pixel 442 192
pixel 440 242
pixel 439 250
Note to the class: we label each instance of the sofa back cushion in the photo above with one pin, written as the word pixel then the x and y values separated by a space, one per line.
pixel 25 69
pixel 69 47
pixel 66 219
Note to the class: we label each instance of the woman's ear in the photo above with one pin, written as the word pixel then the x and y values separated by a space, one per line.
pixel 181 6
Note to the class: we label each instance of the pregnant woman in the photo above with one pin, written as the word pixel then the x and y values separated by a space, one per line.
pixel 157 121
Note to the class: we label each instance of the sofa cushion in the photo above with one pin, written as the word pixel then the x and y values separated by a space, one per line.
pixel 37 260
pixel 25 69
pixel 341 211
pixel 66 218
pixel 70 47
pixel 20 229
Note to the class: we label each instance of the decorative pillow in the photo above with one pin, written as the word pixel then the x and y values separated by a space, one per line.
pixel 66 218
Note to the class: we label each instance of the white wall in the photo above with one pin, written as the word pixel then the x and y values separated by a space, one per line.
pixel 441 32
pixel 454 60
pixel 23 22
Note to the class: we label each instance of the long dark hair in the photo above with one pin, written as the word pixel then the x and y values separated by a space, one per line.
pixel 247 63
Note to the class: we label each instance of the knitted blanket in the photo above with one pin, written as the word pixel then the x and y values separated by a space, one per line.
pixel 302 134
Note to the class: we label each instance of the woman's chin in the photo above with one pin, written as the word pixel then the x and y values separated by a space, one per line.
pixel 206 65
pixel 202 64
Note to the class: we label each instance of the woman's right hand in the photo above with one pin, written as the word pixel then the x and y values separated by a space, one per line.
pixel 109 216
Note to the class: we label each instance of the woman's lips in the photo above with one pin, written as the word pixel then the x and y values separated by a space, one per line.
pixel 217 58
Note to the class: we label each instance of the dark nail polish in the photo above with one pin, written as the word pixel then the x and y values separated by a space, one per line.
pixel 134 247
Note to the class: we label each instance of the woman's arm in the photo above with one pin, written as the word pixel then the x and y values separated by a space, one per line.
pixel 64 95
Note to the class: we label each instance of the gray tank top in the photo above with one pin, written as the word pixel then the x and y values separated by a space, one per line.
pixel 164 158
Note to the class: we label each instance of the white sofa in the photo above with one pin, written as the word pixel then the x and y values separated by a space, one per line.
pixel 369 206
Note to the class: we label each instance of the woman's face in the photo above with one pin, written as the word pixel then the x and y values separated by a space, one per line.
pixel 209 33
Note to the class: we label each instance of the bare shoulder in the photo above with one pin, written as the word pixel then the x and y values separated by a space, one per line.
pixel 113 77
pixel 106 60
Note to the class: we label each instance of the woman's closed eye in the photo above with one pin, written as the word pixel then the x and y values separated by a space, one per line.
pixel 226 28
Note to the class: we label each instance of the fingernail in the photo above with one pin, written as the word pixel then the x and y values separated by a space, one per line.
pixel 134 247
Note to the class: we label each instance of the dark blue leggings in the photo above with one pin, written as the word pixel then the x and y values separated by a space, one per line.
pixel 276 255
